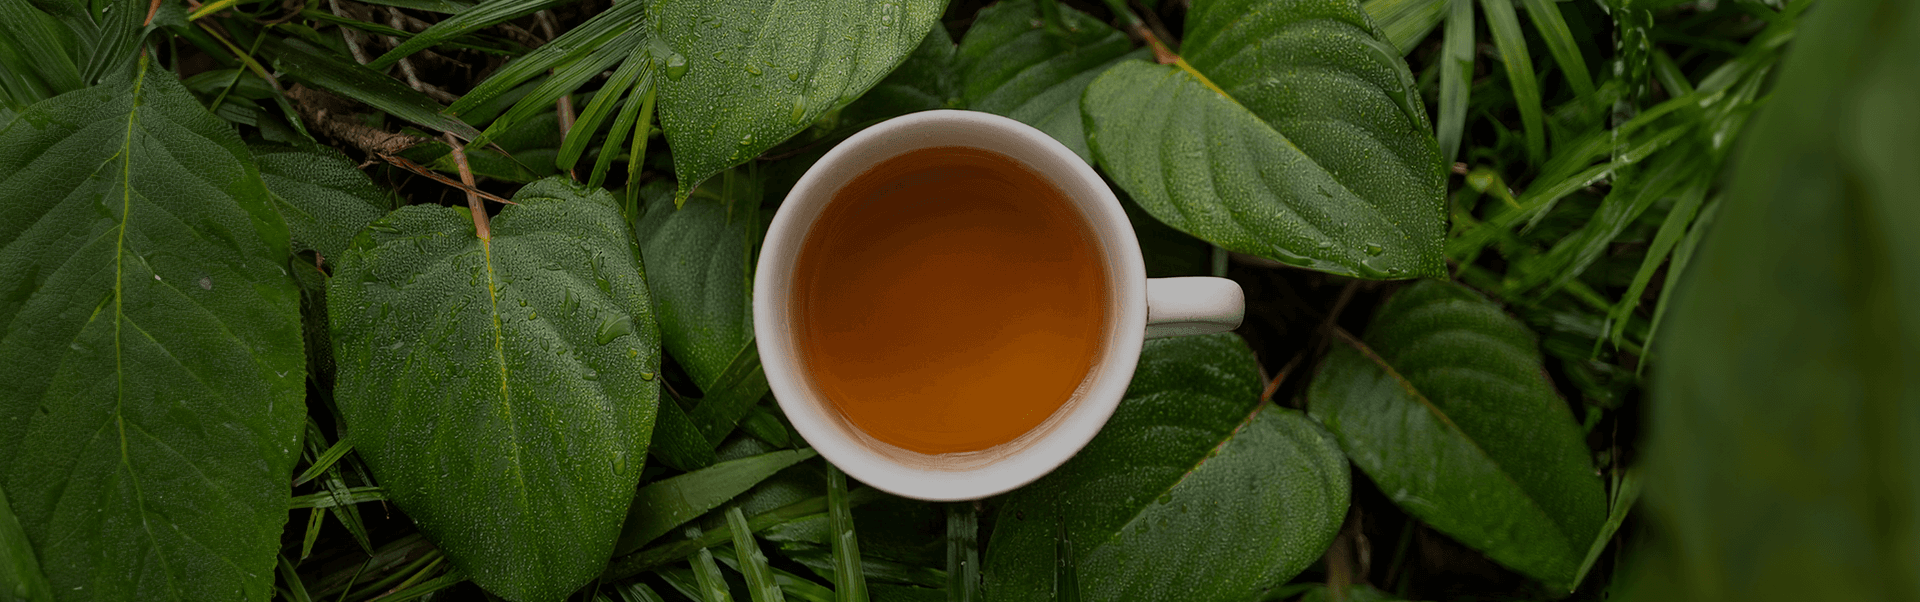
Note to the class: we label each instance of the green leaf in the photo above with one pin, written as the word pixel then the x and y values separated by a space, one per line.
pixel 678 442
pixel 1783 424
pixel 44 43
pixel 483 15
pixel 1505 27
pixel 1447 407
pixel 669 503
pixel 746 74
pixel 925 81
pixel 502 390
pixel 1406 22
pixel 324 198
pixel 1314 149
pixel 323 69
pixel 712 586
pixel 1194 490
pixel 151 372
pixel 849 578
pixel 1456 77
pixel 752 563
pixel 1013 66
pixel 622 19
pixel 1566 52
pixel 19 572
pixel 699 264
pixel 445 7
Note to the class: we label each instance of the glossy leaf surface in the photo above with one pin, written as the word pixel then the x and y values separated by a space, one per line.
pixel 323 197
pixel 746 74
pixel 1013 66
pixel 502 391
pixel 1447 407
pixel 1194 490
pixel 699 272
pixel 1785 409
pixel 1314 150
pixel 151 371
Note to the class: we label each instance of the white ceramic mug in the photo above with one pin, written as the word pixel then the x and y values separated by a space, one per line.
pixel 1141 307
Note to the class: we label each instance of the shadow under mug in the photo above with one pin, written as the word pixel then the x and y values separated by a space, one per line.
pixel 1140 308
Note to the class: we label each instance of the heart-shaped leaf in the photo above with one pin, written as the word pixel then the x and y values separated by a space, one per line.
pixel 1013 66
pixel 151 373
pixel 324 198
pixel 502 390
pixel 746 74
pixel 699 259
pixel 1305 142
pixel 1447 407
pixel 1783 424
pixel 1194 490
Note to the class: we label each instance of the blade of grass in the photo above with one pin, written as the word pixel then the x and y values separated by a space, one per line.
pixel 880 570
pixel 115 44
pixel 1456 75
pixel 850 581
pixel 713 585
pixel 1681 256
pixel 327 499
pixel 662 555
pixel 565 80
pixel 1663 243
pixel 1623 204
pixel 481 16
pixel 322 69
pixel 451 578
pixel 1406 22
pixel 295 590
pixel 753 564
pixel 1566 53
pixel 39 38
pixel 638 592
pixel 315 518
pixel 963 547
pixel 639 107
pixel 429 558
pixel 324 462
pixel 445 7
pixel 597 111
pixel 1066 576
pixel 789 583
pixel 1512 44
pixel 662 505
pixel 623 19
pixel 348 513
pixel 1623 499
pixel 637 155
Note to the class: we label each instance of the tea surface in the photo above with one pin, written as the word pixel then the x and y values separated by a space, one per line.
pixel 949 300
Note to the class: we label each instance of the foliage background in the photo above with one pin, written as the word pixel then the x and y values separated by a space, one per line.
pixel 1473 435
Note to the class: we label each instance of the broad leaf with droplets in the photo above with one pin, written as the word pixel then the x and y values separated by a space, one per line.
pixel 502 391
pixel 151 372
pixel 1013 66
pixel 743 75
pixel 1194 490
pixel 1306 143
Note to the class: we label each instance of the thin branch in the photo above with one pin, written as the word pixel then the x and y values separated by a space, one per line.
pixel 349 34
pixel 474 206
pixel 421 170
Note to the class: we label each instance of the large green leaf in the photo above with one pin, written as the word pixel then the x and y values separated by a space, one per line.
pixel 20 573
pixel 746 74
pixel 699 267
pixel 1785 412
pixel 323 197
pixel 1194 490
pixel 1013 66
pixel 151 371
pixel 502 391
pixel 1447 407
pixel 1314 149
pixel 925 81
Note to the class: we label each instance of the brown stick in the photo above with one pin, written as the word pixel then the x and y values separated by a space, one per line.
pixel 474 206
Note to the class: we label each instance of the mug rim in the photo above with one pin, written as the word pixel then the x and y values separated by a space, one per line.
pixel 1093 403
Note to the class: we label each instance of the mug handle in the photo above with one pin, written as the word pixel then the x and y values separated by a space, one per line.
pixel 1193 305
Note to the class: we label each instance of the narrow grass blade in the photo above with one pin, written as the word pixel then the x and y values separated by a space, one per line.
pixel 326 499
pixel 658 556
pixel 115 42
pixel 315 518
pixel 765 426
pixel 638 592
pixel 1681 256
pixel 623 19
pixel 1406 22
pixel 473 19
pixel 1663 243
pixel 1573 254
pixel 597 111
pixel 1507 37
pixel 323 69
pixel 963 547
pixel 445 7
pixel 677 442
pixel 1066 575
pixel 295 589
pixel 712 585
pixel 850 581
pixel 347 512
pixel 637 155
pixel 324 462
pixel 1624 496
pixel 639 107
pixel 1566 53
pixel 662 505
pixel 1456 78
pixel 451 578
pixel 789 583
pixel 565 80
pixel 753 564
pixel 45 43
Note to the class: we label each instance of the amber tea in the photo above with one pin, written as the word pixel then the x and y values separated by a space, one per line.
pixel 949 300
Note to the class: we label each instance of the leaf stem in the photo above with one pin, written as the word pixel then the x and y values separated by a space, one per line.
pixel 474 206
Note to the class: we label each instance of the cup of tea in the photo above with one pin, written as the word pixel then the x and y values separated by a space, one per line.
pixel 950 304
